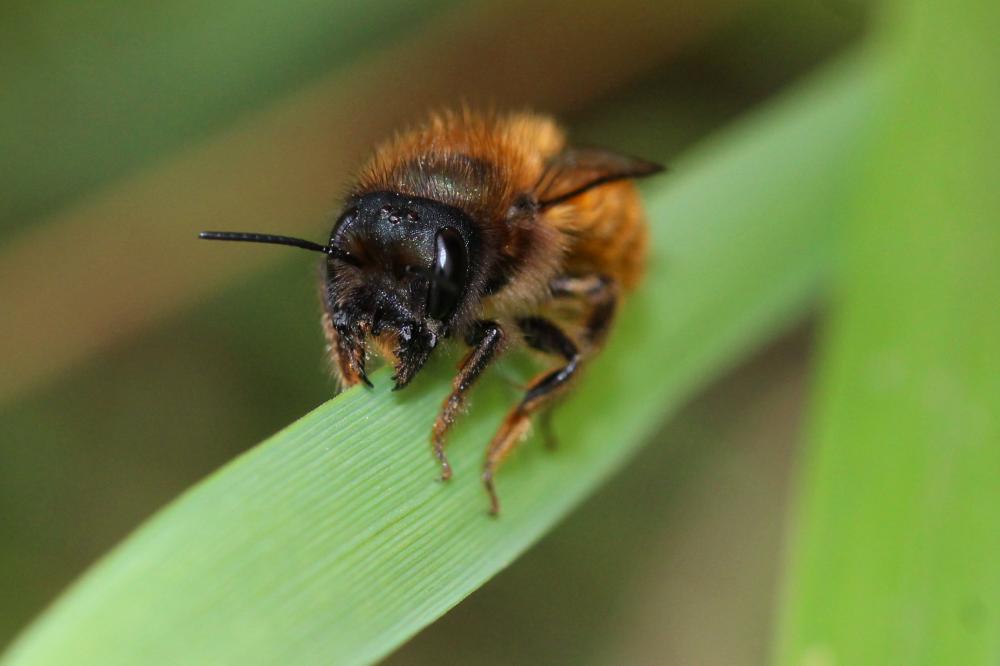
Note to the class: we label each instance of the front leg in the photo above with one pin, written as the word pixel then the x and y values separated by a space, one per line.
pixel 545 336
pixel 486 341
pixel 346 348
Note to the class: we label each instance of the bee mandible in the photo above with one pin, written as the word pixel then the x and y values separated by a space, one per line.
pixel 484 228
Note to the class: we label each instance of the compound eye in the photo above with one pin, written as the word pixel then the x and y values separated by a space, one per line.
pixel 449 274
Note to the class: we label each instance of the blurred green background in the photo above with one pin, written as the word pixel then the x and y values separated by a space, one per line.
pixel 136 361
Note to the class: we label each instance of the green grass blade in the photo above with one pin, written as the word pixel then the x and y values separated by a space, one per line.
pixel 897 557
pixel 332 543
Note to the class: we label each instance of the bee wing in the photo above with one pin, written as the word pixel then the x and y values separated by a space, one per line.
pixel 576 170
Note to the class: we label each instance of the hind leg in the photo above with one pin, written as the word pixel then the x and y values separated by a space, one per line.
pixel 545 336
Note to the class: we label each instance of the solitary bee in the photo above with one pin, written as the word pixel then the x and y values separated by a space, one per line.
pixel 488 229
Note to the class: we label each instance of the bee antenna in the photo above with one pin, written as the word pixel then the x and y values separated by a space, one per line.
pixel 273 240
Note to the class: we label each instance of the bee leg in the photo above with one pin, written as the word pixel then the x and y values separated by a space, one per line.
pixel 544 336
pixel 347 353
pixel 600 292
pixel 486 341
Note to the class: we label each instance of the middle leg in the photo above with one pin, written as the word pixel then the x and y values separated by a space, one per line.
pixel 486 341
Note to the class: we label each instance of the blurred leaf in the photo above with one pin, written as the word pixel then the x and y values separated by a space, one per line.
pixel 331 542
pixel 897 559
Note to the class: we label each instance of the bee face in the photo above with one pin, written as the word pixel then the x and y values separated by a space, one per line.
pixel 400 272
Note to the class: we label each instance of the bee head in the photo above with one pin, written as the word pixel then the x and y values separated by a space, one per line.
pixel 399 271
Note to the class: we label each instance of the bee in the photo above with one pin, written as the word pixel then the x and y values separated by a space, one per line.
pixel 484 228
